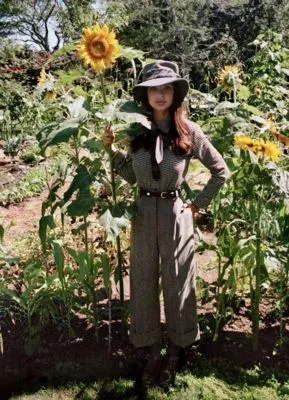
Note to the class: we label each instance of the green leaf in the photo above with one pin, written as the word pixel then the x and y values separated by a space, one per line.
pixel 1 232
pixel 224 106
pixel 84 200
pixel 130 53
pixel 132 114
pixel 59 258
pixel 243 92
pixel 65 49
pixel 45 222
pixel 134 130
pixel 82 205
pixel 54 134
pixel 114 219
pixel 79 107
pixel 81 181
pixel 252 109
pixel 132 107
pixel 68 77
pixel 257 119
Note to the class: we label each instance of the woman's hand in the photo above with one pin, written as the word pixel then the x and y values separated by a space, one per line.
pixel 108 137
pixel 195 210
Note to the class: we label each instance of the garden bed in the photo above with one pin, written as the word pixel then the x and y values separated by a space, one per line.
pixel 60 359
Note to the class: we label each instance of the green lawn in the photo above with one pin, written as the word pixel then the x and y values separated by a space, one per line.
pixel 207 380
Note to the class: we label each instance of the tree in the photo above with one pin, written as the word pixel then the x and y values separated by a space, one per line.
pixel 33 20
pixel 36 21
pixel 169 29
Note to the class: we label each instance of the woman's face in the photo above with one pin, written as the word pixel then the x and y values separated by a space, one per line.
pixel 161 97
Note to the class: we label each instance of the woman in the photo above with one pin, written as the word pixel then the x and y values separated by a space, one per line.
pixel 162 237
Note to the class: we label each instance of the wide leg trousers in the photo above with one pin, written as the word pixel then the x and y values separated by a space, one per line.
pixel 162 242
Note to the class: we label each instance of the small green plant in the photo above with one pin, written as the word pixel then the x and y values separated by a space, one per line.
pixel 11 146
pixel 31 154
pixel 32 183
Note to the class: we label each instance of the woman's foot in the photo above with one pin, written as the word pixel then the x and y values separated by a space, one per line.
pixel 168 371
pixel 153 365
pixel 152 370
pixel 169 366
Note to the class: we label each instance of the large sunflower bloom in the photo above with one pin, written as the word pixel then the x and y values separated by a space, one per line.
pixel 245 142
pixel 98 47
pixel 230 77
pixel 260 147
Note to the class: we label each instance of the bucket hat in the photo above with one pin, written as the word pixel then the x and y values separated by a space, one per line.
pixel 161 73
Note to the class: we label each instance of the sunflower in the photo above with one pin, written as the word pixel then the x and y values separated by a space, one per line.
pixel 230 77
pixel 268 149
pixel 50 95
pixel 42 76
pixel 260 147
pixel 98 47
pixel 245 142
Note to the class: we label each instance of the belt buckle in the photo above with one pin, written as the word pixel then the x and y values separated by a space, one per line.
pixel 163 195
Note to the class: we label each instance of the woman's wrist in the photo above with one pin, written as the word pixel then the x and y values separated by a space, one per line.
pixel 111 148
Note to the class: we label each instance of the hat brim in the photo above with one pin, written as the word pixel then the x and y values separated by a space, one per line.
pixel 140 90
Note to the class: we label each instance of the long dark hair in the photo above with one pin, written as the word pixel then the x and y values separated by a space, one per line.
pixel 179 136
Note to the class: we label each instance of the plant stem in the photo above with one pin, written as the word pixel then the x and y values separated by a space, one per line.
pixel 85 233
pixel 256 300
pixel 113 189
pixel 235 93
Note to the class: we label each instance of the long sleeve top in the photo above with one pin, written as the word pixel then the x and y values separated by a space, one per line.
pixel 135 167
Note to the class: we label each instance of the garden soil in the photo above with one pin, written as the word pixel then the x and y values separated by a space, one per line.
pixel 82 354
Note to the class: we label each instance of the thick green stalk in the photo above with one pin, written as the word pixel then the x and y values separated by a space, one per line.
pixel 113 189
pixel 257 297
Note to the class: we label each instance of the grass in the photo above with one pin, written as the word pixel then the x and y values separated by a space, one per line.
pixel 207 380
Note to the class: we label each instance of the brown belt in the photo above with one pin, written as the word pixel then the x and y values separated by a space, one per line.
pixel 172 194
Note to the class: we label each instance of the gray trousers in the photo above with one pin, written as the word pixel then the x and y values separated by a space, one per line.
pixel 162 241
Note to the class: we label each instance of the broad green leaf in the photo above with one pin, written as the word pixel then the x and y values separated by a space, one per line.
pixel 130 53
pixel 134 130
pixel 57 133
pixel 225 105
pixel 59 258
pixel 132 107
pixel 132 114
pixel 258 119
pixel 252 109
pixel 131 118
pixel 45 222
pixel 81 181
pixel 79 107
pixel 114 219
pixel 68 77
pixel 282 90
pixel 82 205
pixel 243 92
pixel 286 71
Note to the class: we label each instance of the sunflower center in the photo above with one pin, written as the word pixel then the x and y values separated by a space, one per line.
pixel 98 48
